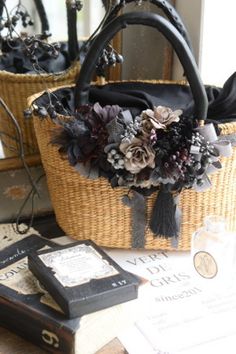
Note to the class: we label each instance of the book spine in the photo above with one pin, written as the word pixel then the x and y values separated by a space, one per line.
pixel 43 332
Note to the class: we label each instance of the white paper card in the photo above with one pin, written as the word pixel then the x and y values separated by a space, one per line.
pixel 77 265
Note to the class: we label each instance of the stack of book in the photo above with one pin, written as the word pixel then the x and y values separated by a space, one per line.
pixel 82 311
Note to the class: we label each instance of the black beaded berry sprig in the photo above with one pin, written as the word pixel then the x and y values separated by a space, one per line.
pixel 75 4
pixel 109 57
pixel 11 19
pixel 33 43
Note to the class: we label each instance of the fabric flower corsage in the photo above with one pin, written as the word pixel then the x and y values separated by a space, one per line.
pixel 159 149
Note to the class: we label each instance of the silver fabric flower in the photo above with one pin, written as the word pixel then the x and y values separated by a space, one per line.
pixel 138 155
pixel 160 118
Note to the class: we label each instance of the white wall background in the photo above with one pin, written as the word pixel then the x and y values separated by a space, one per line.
pixel 211 24
pixel 218 54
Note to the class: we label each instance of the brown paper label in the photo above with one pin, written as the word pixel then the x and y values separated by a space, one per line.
pixel 205 264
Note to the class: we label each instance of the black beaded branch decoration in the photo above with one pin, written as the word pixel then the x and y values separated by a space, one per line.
pixel 28 44
pixel 18 14
pixel 109 57
pixel 31 45
pixel 36 42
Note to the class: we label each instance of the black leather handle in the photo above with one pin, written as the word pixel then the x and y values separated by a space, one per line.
pixel 172 35
pixel 1 7
pixel 42 15
pixel 73 47
pixel 168 10
pixel 174 18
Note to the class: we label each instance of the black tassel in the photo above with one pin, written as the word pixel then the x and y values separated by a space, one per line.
pixel 165 214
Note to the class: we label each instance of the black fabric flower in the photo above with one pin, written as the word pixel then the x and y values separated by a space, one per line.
pixel 74 138
pixel 84 137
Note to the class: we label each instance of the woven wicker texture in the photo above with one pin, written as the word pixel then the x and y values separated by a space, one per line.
pixel 15 89
pixel 92 209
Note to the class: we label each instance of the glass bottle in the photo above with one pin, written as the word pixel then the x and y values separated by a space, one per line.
pixel 213 250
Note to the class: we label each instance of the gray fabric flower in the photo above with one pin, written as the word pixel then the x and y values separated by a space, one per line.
pixel 138 155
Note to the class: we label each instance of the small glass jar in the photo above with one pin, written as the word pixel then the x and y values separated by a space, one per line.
pixel 213 250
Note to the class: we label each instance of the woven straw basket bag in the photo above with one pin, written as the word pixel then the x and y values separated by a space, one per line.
pixel 16 88
pixel 92 209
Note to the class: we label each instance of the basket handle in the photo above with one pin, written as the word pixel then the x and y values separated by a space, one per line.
pixel 42 15
pixel 168 9
pixel 172 35
pixel 73 47
pixel 1 7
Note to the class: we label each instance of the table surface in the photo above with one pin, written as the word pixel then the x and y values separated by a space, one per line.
pixel 12 344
